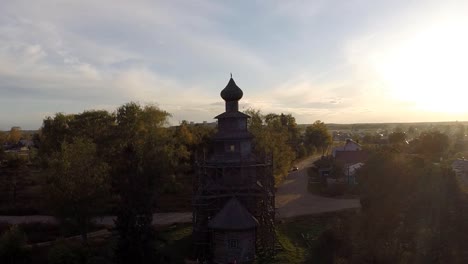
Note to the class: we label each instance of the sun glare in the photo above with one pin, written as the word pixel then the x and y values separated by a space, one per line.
pixel 429 68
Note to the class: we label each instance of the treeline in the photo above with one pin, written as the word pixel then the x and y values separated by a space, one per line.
pixel 431 143
pixel 134 137
pixel 132 124
pixel 99 162
pixel 105 137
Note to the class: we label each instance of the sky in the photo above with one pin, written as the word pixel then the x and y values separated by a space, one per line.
pixel 348 61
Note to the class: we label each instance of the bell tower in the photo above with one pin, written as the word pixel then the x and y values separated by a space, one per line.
pixel 233 141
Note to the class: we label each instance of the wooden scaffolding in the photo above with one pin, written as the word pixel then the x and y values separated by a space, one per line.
pixel 253 186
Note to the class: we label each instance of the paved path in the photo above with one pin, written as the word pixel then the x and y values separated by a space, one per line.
pixel 292 199
pixel 158 219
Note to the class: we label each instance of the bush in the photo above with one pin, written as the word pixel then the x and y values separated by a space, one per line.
pixel 13 246
pixel 61 253
pixel 327 245
pixel 40 232
pixel 171 186
pixel 334 244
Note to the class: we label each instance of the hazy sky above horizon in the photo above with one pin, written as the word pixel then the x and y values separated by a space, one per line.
pixel 337 61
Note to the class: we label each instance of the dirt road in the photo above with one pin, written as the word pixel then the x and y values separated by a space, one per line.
pixel 292 199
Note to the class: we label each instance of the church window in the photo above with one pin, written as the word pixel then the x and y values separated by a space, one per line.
pixel 233 243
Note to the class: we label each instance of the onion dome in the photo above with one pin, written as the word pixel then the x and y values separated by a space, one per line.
pixel 231 92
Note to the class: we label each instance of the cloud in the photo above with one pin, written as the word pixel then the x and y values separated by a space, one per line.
pixel 52 55
pixel 298 10
pixel 309 58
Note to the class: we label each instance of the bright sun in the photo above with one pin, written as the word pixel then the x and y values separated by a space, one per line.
pixel 429 68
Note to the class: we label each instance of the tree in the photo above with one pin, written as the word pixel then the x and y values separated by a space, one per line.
pixel 77 183
pixel 136 243
pixel 53 133
pixel 2 154
pixel 15 135
pixel 3 138
pixel 432 144
pixel 372 138
pixel 13 246
pixel 15 166
pixel 317 136
pixel 294 135
pixel 183 141
pixel 96 125
pixel 272 137
pixel 396 138
pixel 412 130
pixel 460 131
pixel 413 211
pixel 144 156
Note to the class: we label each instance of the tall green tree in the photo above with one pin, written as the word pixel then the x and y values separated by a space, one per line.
pixel 54 131
pixel 142 160
pixel 77 183
pixel 317 136
pixel 288 122
pixel 96 125
pixel 271 137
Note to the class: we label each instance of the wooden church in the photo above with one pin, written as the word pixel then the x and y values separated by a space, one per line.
pixel 233 202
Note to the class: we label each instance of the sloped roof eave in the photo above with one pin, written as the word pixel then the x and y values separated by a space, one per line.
pixel 233 216
pixel 231 114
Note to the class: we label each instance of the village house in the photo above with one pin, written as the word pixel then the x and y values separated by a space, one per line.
pixel 350 145
pixel 350 157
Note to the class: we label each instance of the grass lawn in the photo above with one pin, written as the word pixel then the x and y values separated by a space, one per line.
pixel 43 232
pixel 175 243
pixel 298 236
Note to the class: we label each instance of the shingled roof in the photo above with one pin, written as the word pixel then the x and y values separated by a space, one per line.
pixel 233 216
